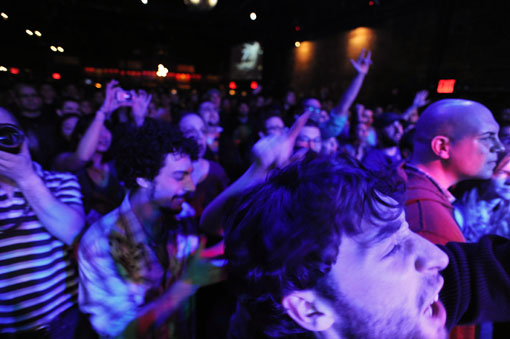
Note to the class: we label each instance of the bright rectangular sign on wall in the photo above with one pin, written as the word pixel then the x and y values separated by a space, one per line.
pixel 445 86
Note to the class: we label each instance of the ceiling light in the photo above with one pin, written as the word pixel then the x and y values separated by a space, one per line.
pixel 39 34
pixel 253 16
pixel 29 32
pixel 53 48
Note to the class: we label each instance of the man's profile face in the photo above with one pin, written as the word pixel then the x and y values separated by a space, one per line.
pixel 475 154
pixel 29 99
pixel 387 287
pixel 172 182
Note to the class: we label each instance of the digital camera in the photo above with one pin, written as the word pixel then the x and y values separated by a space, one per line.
pixel 123 96
pixel 11 138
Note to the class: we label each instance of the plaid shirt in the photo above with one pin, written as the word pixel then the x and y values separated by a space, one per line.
pixel 120 270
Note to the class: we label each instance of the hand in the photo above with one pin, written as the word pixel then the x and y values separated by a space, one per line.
pixel 110 103
pixel 363 63
pixel 17 167
pixel 140 105
pixel 420 99
pixel 200 272
pixel 275 151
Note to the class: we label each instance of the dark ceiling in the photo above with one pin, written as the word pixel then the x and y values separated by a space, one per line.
pixel 102 32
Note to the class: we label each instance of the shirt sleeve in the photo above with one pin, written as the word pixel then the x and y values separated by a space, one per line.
pixel 477 281
pixel 110 302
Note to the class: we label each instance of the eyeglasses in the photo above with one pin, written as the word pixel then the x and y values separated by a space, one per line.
pixel 313 109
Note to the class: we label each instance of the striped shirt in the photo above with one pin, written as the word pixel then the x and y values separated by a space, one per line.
pixel 38 275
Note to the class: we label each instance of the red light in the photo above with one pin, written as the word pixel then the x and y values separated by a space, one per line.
pixel 254 85
pixel 370 3
pixel 56 76
pixel 297 28
pixel 232 85
pixel 14 70
pixel 446 86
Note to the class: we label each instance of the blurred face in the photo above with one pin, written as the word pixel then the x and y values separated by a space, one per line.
pixel 192 126
pixel 244 109
pixel 215 99
pixel 274 126
pixel 68 127
pixel 504 136
pixel 69 107
pixel 314 107
pixel 48 93
pixel 29 99
pixel 366 116
pixel 329 146
pixel 290 98
pixel 86 107
pixel 389 287
pixel 309 137
pixel 362 133
pixel 393 133
pixel 173 181
pixel 324 116
pixel 209 113
pixel 501 180
pixel 105 140
pixel 475 154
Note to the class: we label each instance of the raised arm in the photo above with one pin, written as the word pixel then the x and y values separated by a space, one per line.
pixel 269 152
pixel 420 100
pixel 63 221
pixel 361 65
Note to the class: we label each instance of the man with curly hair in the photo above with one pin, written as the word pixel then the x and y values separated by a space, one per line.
pixel 138 264
pixel 321 249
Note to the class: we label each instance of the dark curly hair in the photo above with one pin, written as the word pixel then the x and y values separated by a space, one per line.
pixel 142 153
pixel 284 234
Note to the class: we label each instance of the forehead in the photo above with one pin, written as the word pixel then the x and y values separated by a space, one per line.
pixel 26 90
pixel 313 102
pixel 274 121
pixel 176 162
pixel 207 106
pixel 310 132
pixel 478 120
pixel 191 121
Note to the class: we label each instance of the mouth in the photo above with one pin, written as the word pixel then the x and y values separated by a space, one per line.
pixel 435 310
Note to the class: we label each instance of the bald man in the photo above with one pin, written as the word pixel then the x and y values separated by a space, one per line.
pixel 455 140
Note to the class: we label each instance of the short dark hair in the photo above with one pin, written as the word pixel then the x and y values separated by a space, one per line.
pixel 143 152
pixel 284 234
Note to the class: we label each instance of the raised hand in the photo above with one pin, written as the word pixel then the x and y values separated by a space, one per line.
pixel 17 167
pixel 420 99
pixel 362 64
pixel 275 151
pixel 110 103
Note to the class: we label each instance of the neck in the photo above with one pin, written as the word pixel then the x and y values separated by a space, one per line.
pixel 391 151
pixel 97 160
pixel 435 169
pixel 147 214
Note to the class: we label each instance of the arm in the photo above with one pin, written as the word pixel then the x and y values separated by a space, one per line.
pixel 63 221
pixel 420 100
pixel 477 281
pixel 339 114
pixel 114 300
pixel 269 152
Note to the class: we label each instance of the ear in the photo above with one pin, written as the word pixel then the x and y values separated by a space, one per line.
pixel 441 146
pixel 309 310
pixel 143 183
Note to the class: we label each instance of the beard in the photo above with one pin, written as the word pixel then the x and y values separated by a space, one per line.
pixel 355 322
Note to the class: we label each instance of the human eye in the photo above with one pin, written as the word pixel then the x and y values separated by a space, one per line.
pixel 179 176
pixel 395 248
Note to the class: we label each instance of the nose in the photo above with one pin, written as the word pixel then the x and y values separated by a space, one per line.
pixel 189 186
pixel 498 146
pixel 429 257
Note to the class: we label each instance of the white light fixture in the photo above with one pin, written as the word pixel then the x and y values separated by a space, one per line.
pixel 162 71
pixel 29 32
pixel 297 44
pixel 4 16
pixel 60 49
pixel 253 16
pixel 213 3
pixel 145 2
pixel 53 48
pixel 3 69
pixel 39 34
